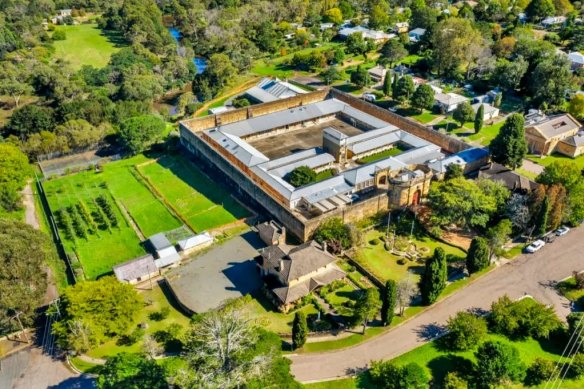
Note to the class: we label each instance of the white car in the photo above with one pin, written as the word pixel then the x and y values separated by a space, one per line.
pixel 535 246
pixel 563 230
pixel 369 97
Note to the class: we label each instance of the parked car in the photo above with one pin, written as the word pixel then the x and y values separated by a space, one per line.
pixel 535 246
pixel 563 230
pixel 354 197
pixel 549 238
pixel 369 97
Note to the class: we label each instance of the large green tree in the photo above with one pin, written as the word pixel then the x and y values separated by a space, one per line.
pixel 335 233
pixel 509 146
pixel 23 279
pixel 14 170
pixel 479 117
pixel 550 81
pixel 463 113
pixel 302 175
pixel 367 306
pixel 389 302
pixel 477 258
pixel 131 371
pixel 541 219
pixel 405 89
pixel 139 133
pixel 435 275
pixel 387 375
pixel 299 330
pixel 31 119
pixel 498 362
pixel 423 97
pixel 392 51
pixel 360 77
pixel 95 311
pixel 465 331
pixel 539 9
pixel 387 88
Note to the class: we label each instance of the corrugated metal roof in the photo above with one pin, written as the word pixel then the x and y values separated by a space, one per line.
pixel 196 240
pixel 136 268
pixel 260 95
pixel 167 260
pixel 312 162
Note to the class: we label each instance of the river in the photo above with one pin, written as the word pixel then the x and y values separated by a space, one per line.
pixel 200 62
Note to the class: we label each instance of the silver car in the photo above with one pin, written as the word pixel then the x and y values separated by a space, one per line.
pixel 535 246
pixel 563 230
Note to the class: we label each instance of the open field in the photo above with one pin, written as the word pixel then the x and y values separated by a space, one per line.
pixel 87 45
pixel 201 202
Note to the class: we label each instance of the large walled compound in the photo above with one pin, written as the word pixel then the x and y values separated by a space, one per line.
pixel 257 147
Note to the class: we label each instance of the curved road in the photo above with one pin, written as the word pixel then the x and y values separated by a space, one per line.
pixel 533 274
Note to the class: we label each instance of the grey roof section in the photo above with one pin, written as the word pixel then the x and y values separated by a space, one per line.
pixel 487 107
pixel 312 162
pixel 334 133
pixel 556 125
pixel 260 95
pixel 372 134
pixel 195 240
pixel 449 98
pixel 159 241
pixel 167 260
pixel 279 162
pixel 136 268
pixel 374 144
pixel 322 189
pixel 364 117
pixel 278 88
pixel 242 150
pixel 576 140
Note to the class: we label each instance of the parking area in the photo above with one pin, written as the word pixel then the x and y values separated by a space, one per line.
pixel 225 272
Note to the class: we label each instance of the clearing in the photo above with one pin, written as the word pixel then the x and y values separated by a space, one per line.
pixel 86 44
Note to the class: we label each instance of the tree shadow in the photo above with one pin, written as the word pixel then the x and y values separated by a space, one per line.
pixel 81 382
pixel 115 37
pixel 430 331
pixel 347 88
pixel 445 364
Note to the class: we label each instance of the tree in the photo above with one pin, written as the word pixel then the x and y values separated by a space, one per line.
pixel 356 44
pixel 302 175
pixel 81 134
pixel 131 371
pixel 461 202
pixel 335 233
pixel 13 81
pixel 434 279
pixel 386 375
pixel 478 121
pixel 394 85
pixel 387 87
pixel 405 89
pixel 392 51
pixel 497 236
pixel 106 307
pixel 23 278
pixel 389 302
pixel 299 330
pixel 542 217
pixel 498 362
pixel 463 113
pixel 31 119
pixel 453 171
pixel 333 15
pixel 539 9
pixel 139 133
pixel 360 77
pixel 454 381
pixel 465 331
pixel 330 75
pixel 477 258
pixel 550 80
pixel 539 371
pixel 423 97
pixel 367 306
pixel 508 74
pixel 565 173
pixel 406 291
pixel 509 146
pixel 224 349
pixel 14 171
pixel 576 106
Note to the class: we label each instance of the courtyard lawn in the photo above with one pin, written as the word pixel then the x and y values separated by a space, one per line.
pixel 549 159
pixel 99 252
pixel 396 150
pixel 86 44
pixel 385 265
pixel 154 300
pixel 324 175
pixel 425 117
pixel 484 136
pixel 201 202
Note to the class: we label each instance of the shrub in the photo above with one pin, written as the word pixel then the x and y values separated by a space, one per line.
pixel 59 35
pixel 131 338
pixel 498 362
pixel 540 371
pixel 401 261
pixel 374 242
pixel 577 366
pixel 160 315
pixel 465 331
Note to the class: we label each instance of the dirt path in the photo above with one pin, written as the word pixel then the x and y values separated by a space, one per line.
pixel 30 215
pixel 534 275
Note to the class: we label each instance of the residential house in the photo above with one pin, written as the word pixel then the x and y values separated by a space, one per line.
pixel 553 22
pixel 416 34
pixel 136 270
pixel 401 27
pixel 271 233
pixel 576 60
pixel 292 272
pixel 377 73
pixel 195 242
pixel 490 112
pixel 165 251
pixel 376 36
pixel 514 181
pixel 546 135
pixel 448 101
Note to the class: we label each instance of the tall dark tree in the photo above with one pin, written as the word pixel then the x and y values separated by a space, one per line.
pixel 498 362
pixel 478 121
pixel 387 84
pixel 360 77
pixel 477 258
pixel 140 132
pixel 423 97
pixel 392 51
pixel 463 113
pixel 542 217
pixel 509 146
pixel 453 171
pixel 394 85
pixel 389 302
pixel 366 307
pixel 434 278
pixel 299 330
pixel 405 89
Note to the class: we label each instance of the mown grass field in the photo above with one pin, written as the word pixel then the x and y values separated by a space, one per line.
pixel 86 44
pixel 549 159
pixel 201 202
pixel 104 249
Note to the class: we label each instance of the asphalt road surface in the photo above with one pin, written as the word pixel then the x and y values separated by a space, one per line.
pixel 533 274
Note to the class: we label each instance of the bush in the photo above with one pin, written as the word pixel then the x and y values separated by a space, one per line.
pixel 389 376
pixel 160 315
pixel 131 338
pixel 402 261
pixel 465 331
pixel 241 102
pixel 374 242
pixel 577 367
pixel 59 35
pixel 540 371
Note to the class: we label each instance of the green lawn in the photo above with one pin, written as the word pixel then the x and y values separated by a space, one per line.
pixel 384 264
pixel 425 117
pixel 569 290
pixel 86 44
pixel 99 252
pixel 396 150
pixel 201 202
pixel 484 136
pixel 324 175
pixel 154 301
pixel 548 160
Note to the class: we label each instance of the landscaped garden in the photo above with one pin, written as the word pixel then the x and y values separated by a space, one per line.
pixel 86 44
pixel 201 202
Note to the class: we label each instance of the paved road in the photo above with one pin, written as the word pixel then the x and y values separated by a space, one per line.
pixel 532 274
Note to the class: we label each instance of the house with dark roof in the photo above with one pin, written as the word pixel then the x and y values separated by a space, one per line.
pixel 548 134
pixel 136 270
pixel 513 181
pixel 271 233
pixel 292 272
